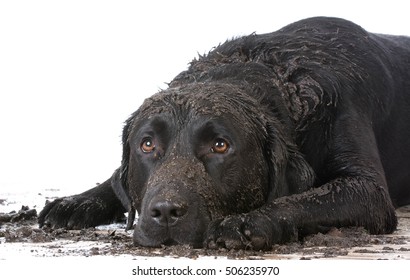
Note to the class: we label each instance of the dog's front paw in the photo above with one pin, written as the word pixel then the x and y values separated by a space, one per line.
pixel 253 231
pixel 76 212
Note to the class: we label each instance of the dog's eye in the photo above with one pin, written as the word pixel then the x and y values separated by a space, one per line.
pixel 147 145
pixel 220 146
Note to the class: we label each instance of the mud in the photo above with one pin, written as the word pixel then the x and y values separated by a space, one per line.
pixel 21 228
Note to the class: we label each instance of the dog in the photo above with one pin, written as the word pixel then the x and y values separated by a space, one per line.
pixel 264 140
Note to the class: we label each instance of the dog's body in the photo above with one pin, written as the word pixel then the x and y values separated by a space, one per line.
pixel 267 138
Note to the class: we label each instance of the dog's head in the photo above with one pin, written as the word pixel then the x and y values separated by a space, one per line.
pixel 202 151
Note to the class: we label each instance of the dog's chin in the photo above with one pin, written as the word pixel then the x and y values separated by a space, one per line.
pixel 142 240
pixel 167 242
pixel 170 242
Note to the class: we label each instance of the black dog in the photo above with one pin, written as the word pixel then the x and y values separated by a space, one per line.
pixel 266 139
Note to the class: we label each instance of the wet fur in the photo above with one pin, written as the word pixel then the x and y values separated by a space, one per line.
pixel 327 106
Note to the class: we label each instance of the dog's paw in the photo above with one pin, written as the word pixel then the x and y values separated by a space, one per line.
pixel 252 231
pixel 76 212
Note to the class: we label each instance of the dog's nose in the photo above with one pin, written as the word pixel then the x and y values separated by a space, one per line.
pixel 167 213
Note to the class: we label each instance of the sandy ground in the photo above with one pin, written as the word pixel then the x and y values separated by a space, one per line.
pixel 21 237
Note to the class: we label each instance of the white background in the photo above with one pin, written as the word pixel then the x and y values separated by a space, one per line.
pixel 72 71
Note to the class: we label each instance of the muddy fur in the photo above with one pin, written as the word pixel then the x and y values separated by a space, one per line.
pixel 264 140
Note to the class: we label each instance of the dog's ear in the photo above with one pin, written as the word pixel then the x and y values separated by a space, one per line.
pixel 123 171
pixel 121 190
pixel 288 170
pixel 119 178
pixel 122 193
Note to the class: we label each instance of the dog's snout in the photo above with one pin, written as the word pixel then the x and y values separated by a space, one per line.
pixel 167 213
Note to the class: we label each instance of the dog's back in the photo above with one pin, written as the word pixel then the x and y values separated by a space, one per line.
pixel 322 62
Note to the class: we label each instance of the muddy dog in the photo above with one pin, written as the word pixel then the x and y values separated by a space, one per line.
pixel 264 140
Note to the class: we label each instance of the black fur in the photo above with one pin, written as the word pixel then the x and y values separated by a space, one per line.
pixel 315 118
